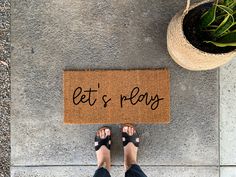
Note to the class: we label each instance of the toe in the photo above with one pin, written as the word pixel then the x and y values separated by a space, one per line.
pixel 103 134
pixel 125 129
pixel 107 132
pixel 100 133
pixel 130 131
pixel 134 131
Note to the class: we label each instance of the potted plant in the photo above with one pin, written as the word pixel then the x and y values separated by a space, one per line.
pixel 203 36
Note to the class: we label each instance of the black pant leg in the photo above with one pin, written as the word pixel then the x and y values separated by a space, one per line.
pixel 102 172
pixel 135 171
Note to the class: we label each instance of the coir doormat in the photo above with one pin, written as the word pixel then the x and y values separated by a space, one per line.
pixel 116 96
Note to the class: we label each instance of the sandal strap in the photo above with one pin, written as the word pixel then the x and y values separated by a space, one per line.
pixel 100 142
pixel 133 139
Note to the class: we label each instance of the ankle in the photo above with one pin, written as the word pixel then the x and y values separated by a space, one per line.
pixel 104 164
pixel 127 166
pixel 129 163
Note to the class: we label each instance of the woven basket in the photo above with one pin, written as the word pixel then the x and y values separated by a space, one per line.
pixel 184 53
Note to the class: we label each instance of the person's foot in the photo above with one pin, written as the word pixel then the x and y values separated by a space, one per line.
pixel 103 153
pixel 131 149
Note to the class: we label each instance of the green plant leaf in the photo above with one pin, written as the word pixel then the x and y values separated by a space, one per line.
pixel 233 44
pixel 233 27
pixel 220 17
pixel 219 23
pixel 227 40
pixel 232 6
pixel 230 37
pixel 208 17
pixel 224 26
pixel 227 2
pixel 226 9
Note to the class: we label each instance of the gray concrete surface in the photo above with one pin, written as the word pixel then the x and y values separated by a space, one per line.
pixel 116 171
pixel 4 88
pixel 228 172
pixel 48 37
pixel 228 114
pixel 51 36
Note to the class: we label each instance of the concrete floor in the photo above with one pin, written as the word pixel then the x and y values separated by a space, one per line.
pixel 4 88
pixel 51 36
pixel 228 119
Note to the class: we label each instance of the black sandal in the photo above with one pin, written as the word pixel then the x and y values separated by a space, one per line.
pixel 100 142
pixel 126 138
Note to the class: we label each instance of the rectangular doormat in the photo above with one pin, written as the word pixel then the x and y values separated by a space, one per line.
pixel 116 96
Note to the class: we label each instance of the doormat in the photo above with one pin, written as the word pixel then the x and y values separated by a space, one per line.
pixel 116 96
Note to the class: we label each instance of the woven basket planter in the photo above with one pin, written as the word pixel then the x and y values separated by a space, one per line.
pixel 184 53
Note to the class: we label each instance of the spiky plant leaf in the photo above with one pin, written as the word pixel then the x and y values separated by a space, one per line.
pixel 226 9
pixel 208 17
pixel 218 24
pixel 227 40
pixel 226 24
pixel 229 37
pixel 233 44
pixel 219 17
pixel 233 6
pixel 227 2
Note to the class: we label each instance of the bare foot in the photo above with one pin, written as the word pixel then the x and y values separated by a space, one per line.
pixel 130 150
pixel 103 154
